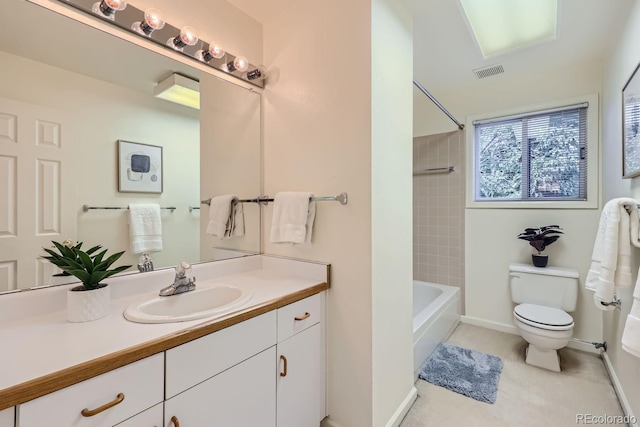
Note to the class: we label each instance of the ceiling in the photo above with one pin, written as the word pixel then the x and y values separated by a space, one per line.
pixel 445 53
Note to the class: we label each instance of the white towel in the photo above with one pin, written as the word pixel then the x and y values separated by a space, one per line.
pixel 226 217
pixel 634 220
pixel 631 334
pixel 293 216
pixel 610 260
pixel 145 228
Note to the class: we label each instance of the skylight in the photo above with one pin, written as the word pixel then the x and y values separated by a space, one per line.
pixel 501 26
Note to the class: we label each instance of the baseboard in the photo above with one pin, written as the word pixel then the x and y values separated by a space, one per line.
pixel 622 398
pixel 511 329
pixel 488 324
pixel 404 407
pixel 329 423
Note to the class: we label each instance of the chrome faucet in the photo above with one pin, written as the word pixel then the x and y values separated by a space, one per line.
pixel 184 281
pixel 145 263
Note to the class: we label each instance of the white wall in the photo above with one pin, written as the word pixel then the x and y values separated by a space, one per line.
pixel 618 68
pixel 317 137
pixel 391 213
pixel 490 235
pixel 324 94
pixel 119 114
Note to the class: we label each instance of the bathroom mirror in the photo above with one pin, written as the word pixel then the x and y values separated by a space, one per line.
pixel 68 94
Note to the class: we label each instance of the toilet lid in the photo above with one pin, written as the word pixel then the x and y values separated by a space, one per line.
pixel 541 315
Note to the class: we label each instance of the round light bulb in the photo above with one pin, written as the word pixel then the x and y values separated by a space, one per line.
pixel 188 36
pixel 240 63
pixel 153 18
pixel 116 5
pixel 108 8
pixel 215 50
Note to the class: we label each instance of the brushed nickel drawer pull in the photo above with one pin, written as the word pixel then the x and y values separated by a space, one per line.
pixel 175 421
pixel 306 316
pixel 91 412
pixel 284 371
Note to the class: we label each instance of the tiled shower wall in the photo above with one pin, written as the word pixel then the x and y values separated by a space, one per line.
pixel 438 210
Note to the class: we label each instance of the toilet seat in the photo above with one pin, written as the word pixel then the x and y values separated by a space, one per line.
pixel 538 316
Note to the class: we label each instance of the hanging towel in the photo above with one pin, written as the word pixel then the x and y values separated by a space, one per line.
pixel 634 220
pixel 293 216
pixel 631 334
pixel 145 228
pixel 226 217
pixel 610 260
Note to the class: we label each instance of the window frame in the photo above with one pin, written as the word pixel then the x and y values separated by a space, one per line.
pixel 593 144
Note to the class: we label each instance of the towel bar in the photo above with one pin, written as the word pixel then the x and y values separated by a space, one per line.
pixel 342 198
pixel 86 208
pixel 616 303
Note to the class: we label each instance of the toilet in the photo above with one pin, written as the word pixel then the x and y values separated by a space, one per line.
pixel 543 298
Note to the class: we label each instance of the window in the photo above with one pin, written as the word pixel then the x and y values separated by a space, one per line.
pixel 535 156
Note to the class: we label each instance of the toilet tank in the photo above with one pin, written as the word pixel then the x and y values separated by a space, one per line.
pixel 549 286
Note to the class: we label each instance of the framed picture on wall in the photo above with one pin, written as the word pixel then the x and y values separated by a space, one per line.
pixel 631 126
pixel 139 167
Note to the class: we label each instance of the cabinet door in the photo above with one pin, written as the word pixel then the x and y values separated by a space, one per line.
pixel 6 417
pixel 101 401
pixel 152 417
pixel 242 396
pixel 301 379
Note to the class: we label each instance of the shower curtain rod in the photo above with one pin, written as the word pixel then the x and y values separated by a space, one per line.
pixel 435 101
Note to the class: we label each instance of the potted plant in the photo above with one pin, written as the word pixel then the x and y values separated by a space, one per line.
pixel 91 300
pixel 539 239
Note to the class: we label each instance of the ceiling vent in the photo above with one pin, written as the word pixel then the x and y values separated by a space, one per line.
pixel 492 70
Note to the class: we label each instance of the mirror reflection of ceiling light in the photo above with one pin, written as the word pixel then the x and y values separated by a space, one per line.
pixel 179 89
pixel 152 21
pixel 108 8
pixel 501 26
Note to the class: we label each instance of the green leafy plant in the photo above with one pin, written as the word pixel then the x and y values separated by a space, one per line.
pixel 90 266
pixel 541 237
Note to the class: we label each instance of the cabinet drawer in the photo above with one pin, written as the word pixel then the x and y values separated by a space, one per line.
pixel 300 315
pixel 140 383
pixel 152 417
pixel 191 363
pixel 6 417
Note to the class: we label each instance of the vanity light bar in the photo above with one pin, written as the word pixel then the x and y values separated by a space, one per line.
pixel 149 25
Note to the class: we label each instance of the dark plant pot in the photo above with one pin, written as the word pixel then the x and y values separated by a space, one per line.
pixel 540 260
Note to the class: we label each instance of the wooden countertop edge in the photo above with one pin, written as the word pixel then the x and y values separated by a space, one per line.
pixel 41 386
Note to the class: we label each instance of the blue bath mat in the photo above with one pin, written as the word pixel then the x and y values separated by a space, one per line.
pixel 464 371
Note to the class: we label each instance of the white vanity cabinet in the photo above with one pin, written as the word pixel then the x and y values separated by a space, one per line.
pixel 227 377
pixel 301 363
pixel 244 395
pixel 7 417
pixel 267 371
pixel 152 417
pixel 102 401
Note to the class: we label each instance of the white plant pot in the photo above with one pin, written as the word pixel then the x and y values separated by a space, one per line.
pixel 85 306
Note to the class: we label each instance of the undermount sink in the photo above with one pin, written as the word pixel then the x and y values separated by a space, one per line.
pixel 197 304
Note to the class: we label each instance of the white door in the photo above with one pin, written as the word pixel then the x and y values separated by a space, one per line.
pixel 301 379
pixel 37 190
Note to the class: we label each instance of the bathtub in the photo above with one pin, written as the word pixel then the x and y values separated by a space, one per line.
pixel 436 313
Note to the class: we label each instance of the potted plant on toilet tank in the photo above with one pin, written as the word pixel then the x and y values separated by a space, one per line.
pixel 91 300
pixel 539 238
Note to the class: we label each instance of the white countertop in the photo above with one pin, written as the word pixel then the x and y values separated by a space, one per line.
pixel 41 345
